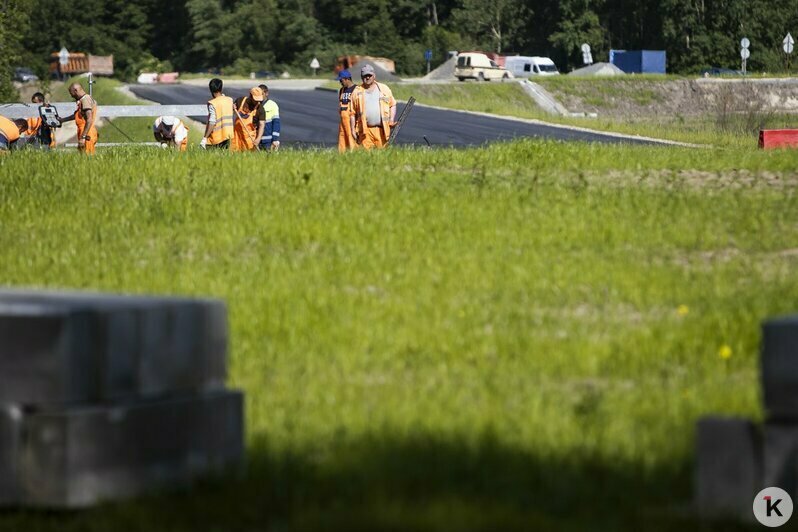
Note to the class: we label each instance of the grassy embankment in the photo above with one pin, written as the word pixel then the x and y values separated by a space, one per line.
pixel 514 337
pixel 510 100
pixel 106 92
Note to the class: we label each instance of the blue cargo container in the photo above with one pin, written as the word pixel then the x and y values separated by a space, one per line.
pixel 639 61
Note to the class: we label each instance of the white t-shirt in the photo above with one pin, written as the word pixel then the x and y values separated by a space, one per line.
pixel 179 133
pixel 372 101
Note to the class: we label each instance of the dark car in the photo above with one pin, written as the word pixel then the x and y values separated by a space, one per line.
pixel 265 74
pixel 24 75
pixel 717 71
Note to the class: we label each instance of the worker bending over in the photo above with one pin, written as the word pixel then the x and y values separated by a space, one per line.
pixel 10 132
pixel 249 122
pixel 373 111
pixel 170 131
pixel 85 117
pixel 346 140
pixel 270 136
pixel 219 130
pixel 39 134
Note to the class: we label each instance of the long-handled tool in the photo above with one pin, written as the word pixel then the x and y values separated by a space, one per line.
pixel 402 118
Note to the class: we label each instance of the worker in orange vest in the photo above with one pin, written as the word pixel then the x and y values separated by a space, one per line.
pixel 170 132
pixel 373 111
pixel 248 128
pixel 10 132
pixel 85 117
pixel 38 133
pixel 219 130
pixel 346 140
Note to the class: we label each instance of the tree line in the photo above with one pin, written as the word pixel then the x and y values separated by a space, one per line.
pixel 239 36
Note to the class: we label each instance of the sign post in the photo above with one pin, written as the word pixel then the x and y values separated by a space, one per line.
pixel 63 60
pixel 428 58
pixel 788 44
pixel 745 53
pixel 315 66
pixel 587 56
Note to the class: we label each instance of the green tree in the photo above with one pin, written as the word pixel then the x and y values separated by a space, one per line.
pixel 13 26
pixel 497 23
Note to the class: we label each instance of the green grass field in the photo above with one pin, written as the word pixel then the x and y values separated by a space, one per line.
pixel 518 337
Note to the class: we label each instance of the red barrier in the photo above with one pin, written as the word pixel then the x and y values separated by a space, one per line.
pixel 770 139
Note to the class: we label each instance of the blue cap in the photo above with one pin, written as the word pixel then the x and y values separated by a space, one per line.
pixel 344 74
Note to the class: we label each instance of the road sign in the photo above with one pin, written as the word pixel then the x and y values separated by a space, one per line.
pixel 428 55
pixel 63 56
pixel 585 48
pixel 745 53
pixel 315 63
pixel 745 43
pixel 789 44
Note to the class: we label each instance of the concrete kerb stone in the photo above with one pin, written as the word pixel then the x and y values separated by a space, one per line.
pixel 67 348
pixel 728 467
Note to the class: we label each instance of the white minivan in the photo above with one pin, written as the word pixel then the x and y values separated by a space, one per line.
pixel 523 67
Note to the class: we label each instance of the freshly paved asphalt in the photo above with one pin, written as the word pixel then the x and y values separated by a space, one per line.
pixel 310 118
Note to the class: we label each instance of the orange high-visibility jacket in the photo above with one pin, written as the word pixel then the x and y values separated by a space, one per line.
pixel 223 128
pixel 80 121
pixel 358 106
pixel 246 128
pixel 9 129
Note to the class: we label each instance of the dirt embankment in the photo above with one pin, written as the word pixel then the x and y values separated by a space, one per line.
pixel 630 98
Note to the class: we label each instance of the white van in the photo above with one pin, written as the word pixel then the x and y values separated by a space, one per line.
pixel 523 67
pixel 474 65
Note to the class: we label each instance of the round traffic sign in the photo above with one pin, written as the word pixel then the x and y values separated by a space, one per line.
pixel 745 43
pixel 745 53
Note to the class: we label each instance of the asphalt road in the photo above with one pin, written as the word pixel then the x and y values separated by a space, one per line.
pixel 310 118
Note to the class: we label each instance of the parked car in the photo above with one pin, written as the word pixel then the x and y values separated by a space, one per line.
pixel 24 75
pixel 524 67
pixel 476 65
pixel 717 71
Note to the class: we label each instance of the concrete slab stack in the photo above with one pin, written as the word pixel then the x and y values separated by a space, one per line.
pixel 106 396
pixel 735 458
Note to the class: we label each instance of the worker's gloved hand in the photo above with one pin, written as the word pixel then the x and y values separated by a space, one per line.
pixel 203 142
pixel 163 145
pixel 276 145
pixel 392 124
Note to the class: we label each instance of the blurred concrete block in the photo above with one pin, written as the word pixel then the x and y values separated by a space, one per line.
pixel 85 455
pixel 780 367
pixel 10 442
pixel 66 348
pixel 728 466
pixel 781 456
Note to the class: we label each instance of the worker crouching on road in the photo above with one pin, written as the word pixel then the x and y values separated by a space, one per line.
pixel 170 132
pixel 373 111
pixel 346 140
pixel 219 130
pixel 270 118
pixel 249 124
pixel 10 132
pixel 85 117
pixel 39 134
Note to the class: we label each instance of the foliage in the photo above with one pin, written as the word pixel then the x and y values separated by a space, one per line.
pixel 13 23
pixel 213 34
pixel 471 339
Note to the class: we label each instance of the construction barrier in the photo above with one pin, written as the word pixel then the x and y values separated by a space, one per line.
pixel 770 139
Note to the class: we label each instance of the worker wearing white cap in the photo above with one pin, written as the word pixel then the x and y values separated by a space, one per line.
pixel 170 131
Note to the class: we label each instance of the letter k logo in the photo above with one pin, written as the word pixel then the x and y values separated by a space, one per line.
pixel 771 506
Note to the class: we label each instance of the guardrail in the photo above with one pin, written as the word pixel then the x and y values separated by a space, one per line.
pixel 22 110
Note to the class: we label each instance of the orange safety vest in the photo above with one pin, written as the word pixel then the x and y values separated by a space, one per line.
pixel 80 121
pixel 33 126
pixel 246 128
pixel 9 129
pixel 223 128
pixel 358 106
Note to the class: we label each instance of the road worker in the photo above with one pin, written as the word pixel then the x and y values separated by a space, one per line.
pixel 10 132
pixel 170 132
pixel 39 134
pixel 270 118
pixel 219 130
pixel 346 140
pixel 249 124
pixel 85 117
pixel 373 111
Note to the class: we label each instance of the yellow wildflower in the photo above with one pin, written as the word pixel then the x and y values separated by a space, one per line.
pixel 725 352
pixel 682 310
